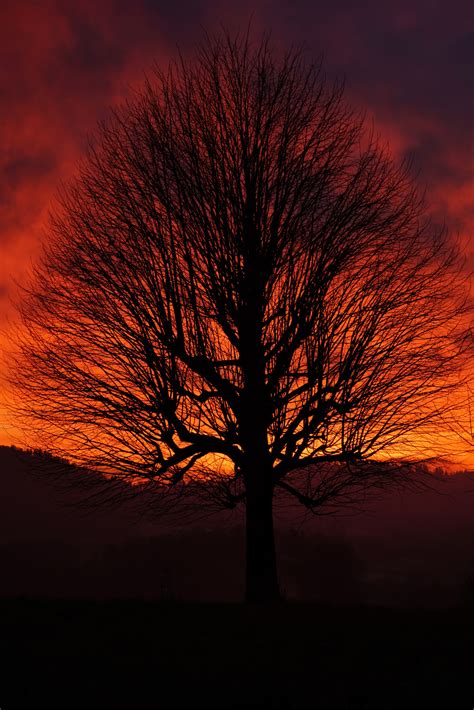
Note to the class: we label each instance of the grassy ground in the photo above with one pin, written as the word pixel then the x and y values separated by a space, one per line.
pixel 174 655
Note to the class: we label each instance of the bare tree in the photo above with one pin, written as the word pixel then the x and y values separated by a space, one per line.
pixel 241 295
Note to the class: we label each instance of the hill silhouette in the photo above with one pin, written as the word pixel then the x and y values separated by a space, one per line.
pixel 408 547
pixel 34 505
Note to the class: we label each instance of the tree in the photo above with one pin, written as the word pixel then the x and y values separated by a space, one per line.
pixel 241 295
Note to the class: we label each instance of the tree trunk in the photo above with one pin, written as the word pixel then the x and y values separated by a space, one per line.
pixel 254 419
pixel 261 568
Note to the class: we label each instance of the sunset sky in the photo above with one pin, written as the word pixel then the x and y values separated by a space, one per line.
pixel 63 64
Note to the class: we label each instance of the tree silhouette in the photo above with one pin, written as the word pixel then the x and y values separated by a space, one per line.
pixel 241 295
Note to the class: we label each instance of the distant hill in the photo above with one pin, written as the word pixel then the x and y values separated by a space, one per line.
pixel 407 547
pixel 34 504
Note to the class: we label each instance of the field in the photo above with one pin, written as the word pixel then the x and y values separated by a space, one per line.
pixel 173 655
pixel 101 610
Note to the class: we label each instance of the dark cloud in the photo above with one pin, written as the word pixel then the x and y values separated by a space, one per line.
pixel 19 168
pixel 411 65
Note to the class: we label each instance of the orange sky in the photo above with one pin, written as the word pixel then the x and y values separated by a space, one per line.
pixel 63 63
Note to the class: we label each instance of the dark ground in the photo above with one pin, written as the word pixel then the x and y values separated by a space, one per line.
pixel 139 654
pixel 382 617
